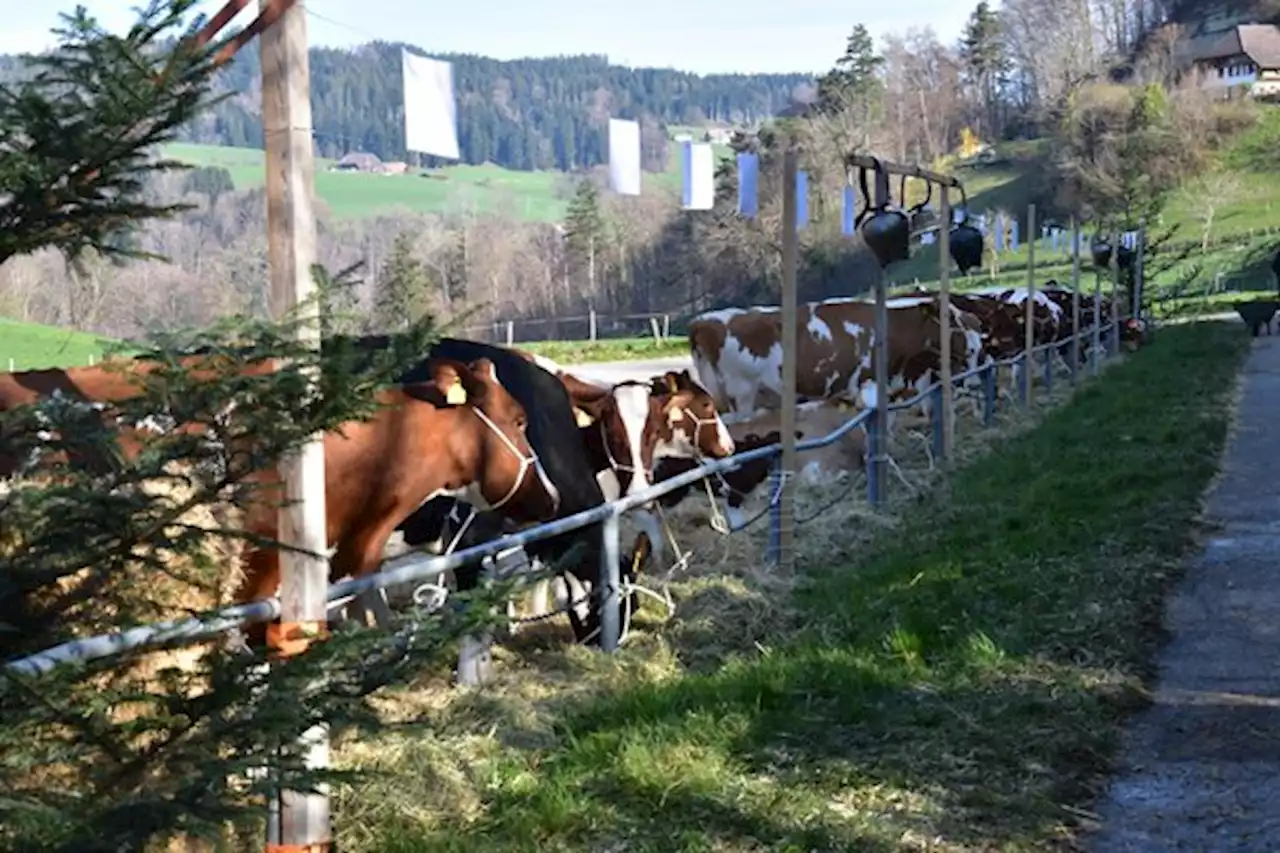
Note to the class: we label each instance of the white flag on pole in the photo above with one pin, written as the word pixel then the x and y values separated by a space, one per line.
pixel 699 176
pixel 624 156
pixel 430 110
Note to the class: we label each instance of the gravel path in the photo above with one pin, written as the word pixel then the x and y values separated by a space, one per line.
pixel 1200 769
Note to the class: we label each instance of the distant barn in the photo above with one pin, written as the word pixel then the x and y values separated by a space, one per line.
pixel 358 161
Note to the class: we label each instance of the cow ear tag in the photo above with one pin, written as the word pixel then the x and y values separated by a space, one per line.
pixel 457 394
pixel 671 384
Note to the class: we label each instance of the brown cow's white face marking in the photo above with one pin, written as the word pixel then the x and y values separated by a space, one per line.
pixel 633 410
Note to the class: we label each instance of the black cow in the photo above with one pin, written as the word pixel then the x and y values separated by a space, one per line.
pixel 554 434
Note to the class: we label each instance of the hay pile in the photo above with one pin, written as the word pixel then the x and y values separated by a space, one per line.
pixel 729 604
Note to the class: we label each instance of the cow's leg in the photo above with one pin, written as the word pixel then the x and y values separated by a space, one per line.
pixel 648 524
pixel 360 554
pixel 261 567
pixel 743 398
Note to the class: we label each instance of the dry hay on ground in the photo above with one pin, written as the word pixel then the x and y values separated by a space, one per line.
pixel 730 604
pixel 158 583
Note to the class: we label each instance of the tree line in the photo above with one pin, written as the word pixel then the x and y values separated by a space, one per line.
pixel 522 114
pixel 1106 152
pixel 125 753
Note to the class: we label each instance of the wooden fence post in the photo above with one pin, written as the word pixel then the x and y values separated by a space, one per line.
pixel 1030 313
pixel 947 421
pixel 786 514
pixel 302 819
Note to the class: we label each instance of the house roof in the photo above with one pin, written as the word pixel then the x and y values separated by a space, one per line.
pixel 1259 42
pixel 360 159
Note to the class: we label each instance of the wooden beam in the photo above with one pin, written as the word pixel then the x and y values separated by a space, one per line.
pixel 303 818
pixel 863 161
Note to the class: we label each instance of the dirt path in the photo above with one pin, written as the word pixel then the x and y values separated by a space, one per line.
pixel 1200 770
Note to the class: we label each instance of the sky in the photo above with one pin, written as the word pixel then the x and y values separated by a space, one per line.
pixel 692 35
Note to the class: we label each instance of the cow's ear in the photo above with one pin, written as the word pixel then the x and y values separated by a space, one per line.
pixel 452 383
pixel 476 378
pixel 596 408
pixel 427 392
pixel 673 382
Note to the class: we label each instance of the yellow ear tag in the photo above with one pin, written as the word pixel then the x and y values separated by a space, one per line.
pixel 582 417
pixel 457 394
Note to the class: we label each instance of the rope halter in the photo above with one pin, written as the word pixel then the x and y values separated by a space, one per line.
pixel 527 462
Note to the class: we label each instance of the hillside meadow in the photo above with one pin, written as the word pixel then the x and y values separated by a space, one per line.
pixel 538 196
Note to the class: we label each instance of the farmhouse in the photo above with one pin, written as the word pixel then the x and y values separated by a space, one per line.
pixel 1243 55
pixel 358 161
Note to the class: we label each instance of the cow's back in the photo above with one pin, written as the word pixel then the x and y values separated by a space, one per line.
pixel 737 353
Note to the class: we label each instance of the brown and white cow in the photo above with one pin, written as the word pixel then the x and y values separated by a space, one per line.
pixel 632 425
pixel 423 441
pixel 738 352
pixel 761 429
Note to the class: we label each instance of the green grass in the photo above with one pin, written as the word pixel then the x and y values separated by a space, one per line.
pixel 963 679
pixel 534 196
pixel 541 196
pixel 612 349
pixel 28 346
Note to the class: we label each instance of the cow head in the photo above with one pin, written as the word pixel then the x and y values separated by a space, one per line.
pixel 509 476
pixel 1133 333
pixel 690 424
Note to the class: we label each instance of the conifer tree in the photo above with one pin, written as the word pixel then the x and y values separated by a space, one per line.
pixel 119 752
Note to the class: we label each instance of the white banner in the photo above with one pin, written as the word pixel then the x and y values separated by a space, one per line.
pixel 430 110
pixel 624 156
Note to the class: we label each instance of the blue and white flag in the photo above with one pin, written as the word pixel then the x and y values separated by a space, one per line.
pixel 748 173
pixel 802 198
pixel 699 176
pixel 848 211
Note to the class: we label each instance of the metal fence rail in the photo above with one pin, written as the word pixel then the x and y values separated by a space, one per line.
pixel 417 567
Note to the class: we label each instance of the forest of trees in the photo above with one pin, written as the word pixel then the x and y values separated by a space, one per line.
pixel 522 114
pixel 1022 69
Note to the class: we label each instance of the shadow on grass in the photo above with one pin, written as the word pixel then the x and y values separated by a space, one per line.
pixel 964 681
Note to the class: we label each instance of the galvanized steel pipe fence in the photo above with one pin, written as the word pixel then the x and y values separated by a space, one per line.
pixel 417 568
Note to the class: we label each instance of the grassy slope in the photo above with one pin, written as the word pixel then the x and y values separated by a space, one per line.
pixel 537 196
pixel 31 346
pixel 963 681
pixel 1242 237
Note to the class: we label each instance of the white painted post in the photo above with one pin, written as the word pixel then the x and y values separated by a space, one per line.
pixel 303 818
pixel 653 328
pixel 511 332
pixel 591 324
